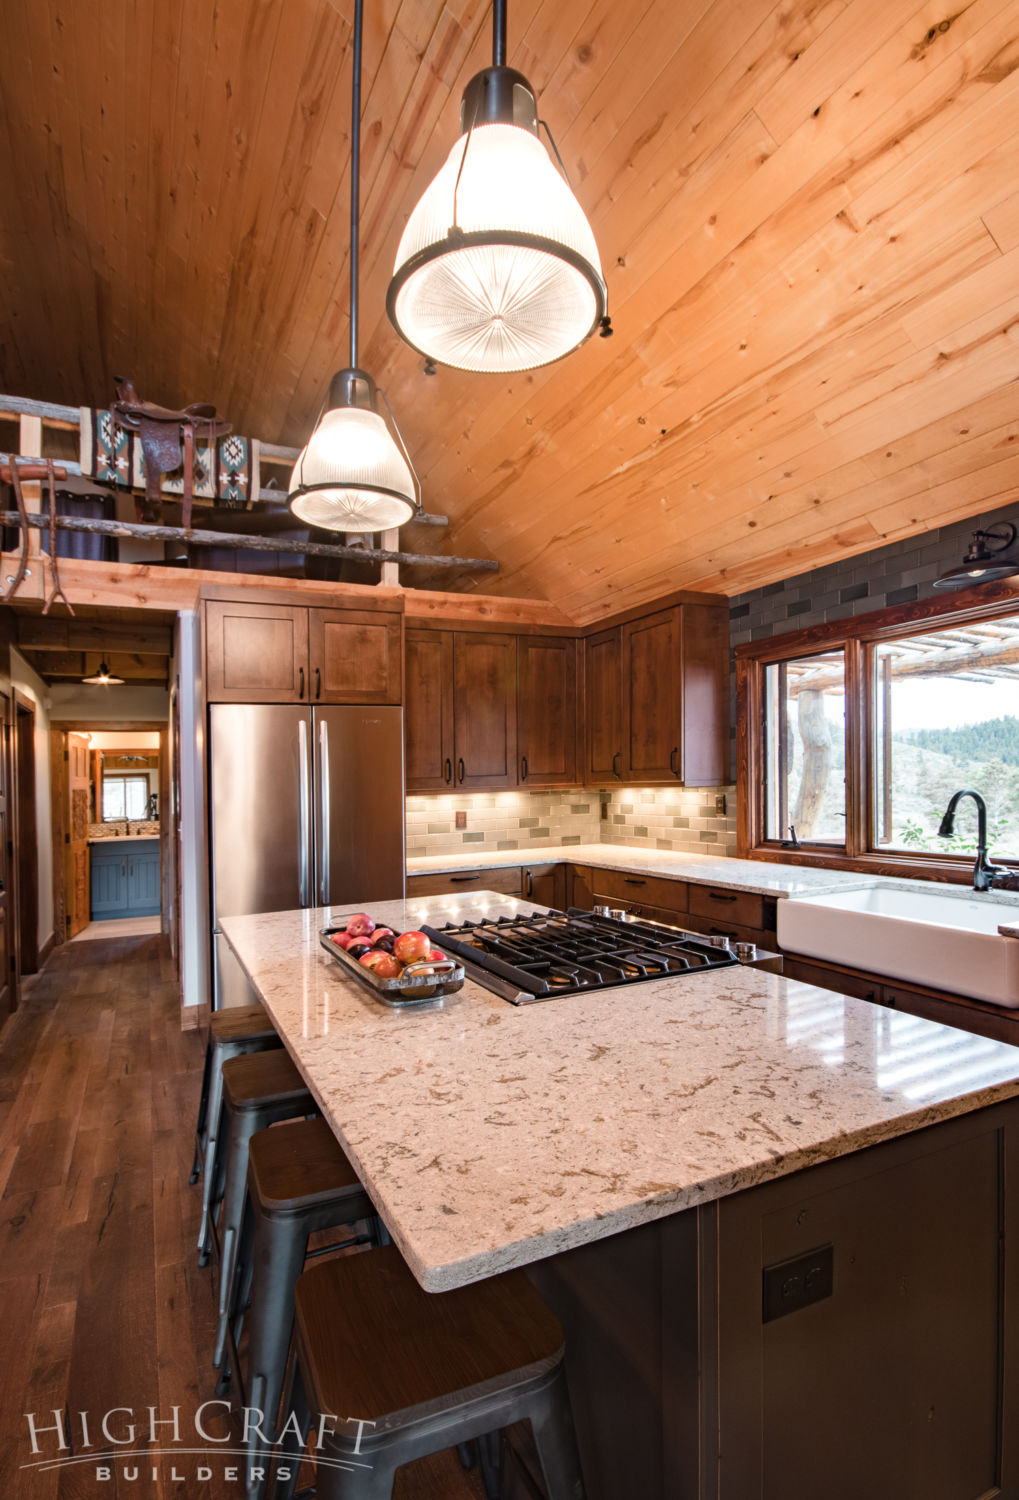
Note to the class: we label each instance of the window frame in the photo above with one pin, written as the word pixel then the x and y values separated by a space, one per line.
pixel 858 637
pixel 124 776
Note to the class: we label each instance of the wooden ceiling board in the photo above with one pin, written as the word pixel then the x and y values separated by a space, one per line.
pixel 807 219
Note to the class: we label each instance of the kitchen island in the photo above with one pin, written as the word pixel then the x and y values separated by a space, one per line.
pixel 768 1215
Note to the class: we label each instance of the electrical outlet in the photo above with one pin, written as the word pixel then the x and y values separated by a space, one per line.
pixel 461 820
pixel 605 812
pixel 720 804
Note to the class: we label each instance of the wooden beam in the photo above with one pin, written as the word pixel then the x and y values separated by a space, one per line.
pixel 37 633
pixel 252 543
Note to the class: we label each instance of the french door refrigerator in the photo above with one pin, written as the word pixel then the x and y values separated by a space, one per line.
pixel 306 809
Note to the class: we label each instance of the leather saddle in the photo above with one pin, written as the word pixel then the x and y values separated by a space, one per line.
pixel 168 442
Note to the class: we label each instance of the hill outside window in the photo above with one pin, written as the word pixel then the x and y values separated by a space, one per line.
pixel 852 737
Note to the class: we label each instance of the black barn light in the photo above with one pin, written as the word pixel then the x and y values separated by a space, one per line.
pixel 983 562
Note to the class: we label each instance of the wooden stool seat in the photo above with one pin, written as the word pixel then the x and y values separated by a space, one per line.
pixel 298 1165
pixel 240 1021
pixel 261 1078
pixel 413 1372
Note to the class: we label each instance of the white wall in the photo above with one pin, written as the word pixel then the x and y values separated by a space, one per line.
pixel 32 685
pixel 93 703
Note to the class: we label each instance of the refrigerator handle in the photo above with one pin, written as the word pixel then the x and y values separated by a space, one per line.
pixel 323 812
pixel 304 815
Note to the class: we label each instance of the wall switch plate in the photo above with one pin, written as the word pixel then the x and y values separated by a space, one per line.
pixel 461 820
pixel 720 804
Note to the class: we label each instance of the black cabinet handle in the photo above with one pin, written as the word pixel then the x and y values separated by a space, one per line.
pixel 618 756
pixel 523 768
pixel 123 872
pixel 449 770
pixel 721 896
pixel 530 884
pixel 672 761
pixel 632 880
pixel 318 682
pixel 871 995
pixel 462 879
pixel 300 690
pixel 460 768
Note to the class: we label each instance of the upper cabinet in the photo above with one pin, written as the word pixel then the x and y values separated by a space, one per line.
pixel 282 653
pixel 487 710
pixel 546 711
pixel 656 693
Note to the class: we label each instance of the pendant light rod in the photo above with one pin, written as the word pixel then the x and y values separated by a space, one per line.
pixel 499 33
pixel 355 178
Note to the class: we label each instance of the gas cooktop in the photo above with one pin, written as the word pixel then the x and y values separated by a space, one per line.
pixel 551 953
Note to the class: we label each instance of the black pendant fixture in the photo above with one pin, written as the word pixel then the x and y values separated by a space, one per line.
pixel 983 562
pixel 498 269
pixel 354 474
pixel 103 677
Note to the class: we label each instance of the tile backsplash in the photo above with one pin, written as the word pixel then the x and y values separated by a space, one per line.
pixel 683 818
pixel 119 829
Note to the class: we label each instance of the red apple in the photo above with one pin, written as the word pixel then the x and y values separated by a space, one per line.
pixel 410 946
pixel 435 956
pixel 361 925
pixel 342 939
pixel 381 963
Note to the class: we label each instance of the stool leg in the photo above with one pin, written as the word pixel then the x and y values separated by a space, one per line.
pixel 556 1441
pixel 203 1115
pixel 242 1126
pixel 243 1275
pixel 288 1454
pixel 214 1124
pixel 374 1483
pixel 279 1250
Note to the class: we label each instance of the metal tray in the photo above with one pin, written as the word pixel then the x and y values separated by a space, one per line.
pixel 444 978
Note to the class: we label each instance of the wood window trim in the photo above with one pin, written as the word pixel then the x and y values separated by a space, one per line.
pixel 857 637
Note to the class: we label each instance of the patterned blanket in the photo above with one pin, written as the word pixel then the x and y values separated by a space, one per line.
pixel 226 471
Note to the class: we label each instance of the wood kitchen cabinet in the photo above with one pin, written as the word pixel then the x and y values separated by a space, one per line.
pixel 546 711
pixel 656 695
pixel 282 653
pixel 461 710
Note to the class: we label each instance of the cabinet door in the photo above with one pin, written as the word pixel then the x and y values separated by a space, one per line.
pixel 354 656
pixel 652 688
pixel 603 708
pixel 428 710
pixel 705 724
pixel 545 885
pixel 547 710
pixel 109 883
pixel 256 653
pixel 485 709
pixel 143 882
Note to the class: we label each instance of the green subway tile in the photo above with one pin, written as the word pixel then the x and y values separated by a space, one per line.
pixel 507 844
pixel 529 822
pixel 640 832
pixel 473 838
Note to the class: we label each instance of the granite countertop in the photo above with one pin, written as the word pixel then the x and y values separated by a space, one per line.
pixel 490 1136
pixel 124 838
pixel 752 875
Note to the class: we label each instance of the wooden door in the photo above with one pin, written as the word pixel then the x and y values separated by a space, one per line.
pixel 652 689
pixel 8 943
pixel 354 656
pixel 546 710
pixel 428 710
pixel 603 708
pixel 256 653
pixel 77 875
pixel 485 709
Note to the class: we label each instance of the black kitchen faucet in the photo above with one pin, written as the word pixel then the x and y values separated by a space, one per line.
pixel 986 876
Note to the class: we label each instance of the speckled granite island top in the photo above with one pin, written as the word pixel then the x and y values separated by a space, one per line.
pixel 491 1136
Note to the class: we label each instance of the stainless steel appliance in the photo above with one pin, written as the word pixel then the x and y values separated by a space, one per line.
pixel 306 809
pixel 552 953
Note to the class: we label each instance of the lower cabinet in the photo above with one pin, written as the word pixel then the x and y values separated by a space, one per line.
pixel 545 885
pixel 125 880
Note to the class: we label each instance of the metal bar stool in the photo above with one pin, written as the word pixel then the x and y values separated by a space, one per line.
pixel 258 1090
pixel 410 1373
pixel 299 1181
pixel 232 1033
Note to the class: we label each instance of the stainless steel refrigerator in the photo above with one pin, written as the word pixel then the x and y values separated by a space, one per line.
pixel 306 809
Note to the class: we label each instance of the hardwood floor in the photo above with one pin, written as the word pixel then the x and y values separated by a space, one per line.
pixel 103 1302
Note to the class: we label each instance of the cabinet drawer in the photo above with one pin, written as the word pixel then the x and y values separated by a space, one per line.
pixel 739 907
pixel 620 887
pixel 856 985
pixel 505 880
pixel 718 925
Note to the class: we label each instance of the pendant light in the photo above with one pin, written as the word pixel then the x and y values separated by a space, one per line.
pixel 982 563
pixel 103 676
pixel 498 268
pixel 353 475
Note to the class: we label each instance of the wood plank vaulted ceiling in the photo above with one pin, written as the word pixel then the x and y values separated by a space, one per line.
pixel 808 217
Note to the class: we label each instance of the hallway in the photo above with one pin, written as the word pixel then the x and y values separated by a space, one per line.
pixel 104 1304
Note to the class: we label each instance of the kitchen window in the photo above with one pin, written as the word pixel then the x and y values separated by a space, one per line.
pixel 125 797
pixel 851 738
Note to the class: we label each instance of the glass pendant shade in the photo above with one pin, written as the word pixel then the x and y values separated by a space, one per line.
pixel 517 282
pixel 351 476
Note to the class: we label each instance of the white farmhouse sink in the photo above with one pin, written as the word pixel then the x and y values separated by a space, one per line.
pixel 937 940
